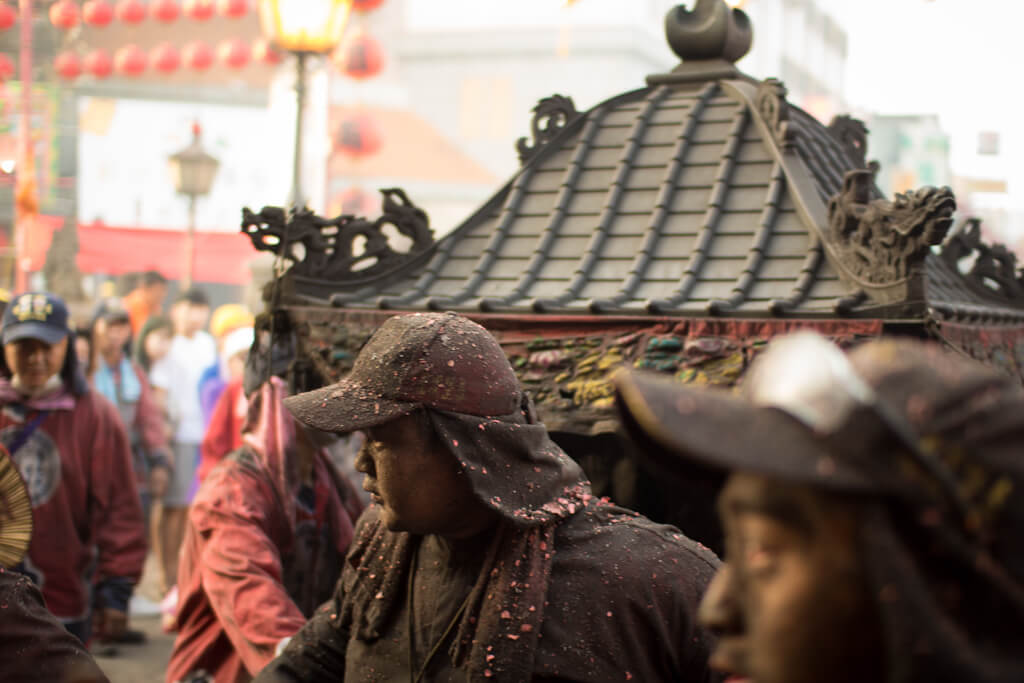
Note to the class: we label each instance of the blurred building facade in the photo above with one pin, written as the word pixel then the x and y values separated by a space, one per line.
pixel 803 45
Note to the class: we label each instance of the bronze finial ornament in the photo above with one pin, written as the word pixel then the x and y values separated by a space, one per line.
pixel 712 30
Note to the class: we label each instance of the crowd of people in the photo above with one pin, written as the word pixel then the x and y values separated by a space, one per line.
pixel 871 504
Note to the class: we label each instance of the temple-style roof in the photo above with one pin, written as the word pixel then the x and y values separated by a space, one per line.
pixel 704 194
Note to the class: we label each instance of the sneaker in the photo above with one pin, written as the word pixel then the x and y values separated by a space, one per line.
pixel 169 610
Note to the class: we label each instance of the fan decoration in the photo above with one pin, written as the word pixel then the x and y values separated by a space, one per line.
pixel 15 513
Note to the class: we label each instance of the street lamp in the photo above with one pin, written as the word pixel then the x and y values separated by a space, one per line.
pixel 304 28
pixel 192 170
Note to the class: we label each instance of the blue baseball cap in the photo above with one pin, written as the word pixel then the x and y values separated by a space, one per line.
pixel 35 315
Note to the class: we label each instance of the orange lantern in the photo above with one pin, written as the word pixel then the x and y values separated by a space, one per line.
pixel 7 16
pixel 97 13
pixel 361 57
pixel 64 14
pixel 366 5
pixel 67 65
pixel 98 63
pixel 130 11
pixel 6 67
pixel 357 136
pixel 197 55
pixel 164 10
pixel 234 53
pixel 165 58
pixel 233 9
pixel 199 10
pixel 264 52
pixel 130 60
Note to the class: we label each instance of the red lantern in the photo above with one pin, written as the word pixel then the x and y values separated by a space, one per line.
pixel 199 10
pixel 234 53
pixel 98 63
pixel 64 14
pixel 197 55
pixel 130 60
pixel 361 57
pixel 357 136
pixel 6 67
pixel 97 13
pixel 164 58
pixel 233 8
pixel 164 10
pixel 7 16
pixel 67 65
pixel 263 51
pixel 130 11
pixel 366 5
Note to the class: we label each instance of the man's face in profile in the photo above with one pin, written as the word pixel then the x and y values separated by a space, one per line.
pixel 791 602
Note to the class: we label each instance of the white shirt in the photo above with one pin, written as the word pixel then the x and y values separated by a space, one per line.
pixel 178 374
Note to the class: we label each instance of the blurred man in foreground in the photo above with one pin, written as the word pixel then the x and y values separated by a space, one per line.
pixel 873 514
pixel 266 537
pixel 484 556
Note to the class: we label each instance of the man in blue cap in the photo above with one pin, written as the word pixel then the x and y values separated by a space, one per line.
pixel 72 450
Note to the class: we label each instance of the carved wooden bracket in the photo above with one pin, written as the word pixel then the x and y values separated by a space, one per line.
pixel 550 116
pixel 994 267
pixel 774 109
pixel 346 250
pixel 852 134
pixel 880 242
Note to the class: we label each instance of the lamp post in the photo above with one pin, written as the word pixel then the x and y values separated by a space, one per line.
pixel 304 28
pixel 193 171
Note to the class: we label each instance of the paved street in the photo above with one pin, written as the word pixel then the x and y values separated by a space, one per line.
pixel 140 663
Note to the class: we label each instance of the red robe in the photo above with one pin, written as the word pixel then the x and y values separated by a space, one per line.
pixel 224 433
pixel 78 468
pixel 255 564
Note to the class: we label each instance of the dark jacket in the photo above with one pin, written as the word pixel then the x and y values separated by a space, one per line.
pixel 34 646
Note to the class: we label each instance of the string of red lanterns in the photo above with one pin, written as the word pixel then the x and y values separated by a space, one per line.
pixel 360 57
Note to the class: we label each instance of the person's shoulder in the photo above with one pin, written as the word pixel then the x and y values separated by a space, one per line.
pixel 603 525
pixel 97 406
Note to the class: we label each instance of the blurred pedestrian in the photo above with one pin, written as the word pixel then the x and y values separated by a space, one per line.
pixel 224 323
pixel 84 349
pixel 68 441
pixel 146 299
pixel 873 511
pixel 484 555
pixel 126 385
pixel 266 538
pixel 224 427
pixel 191 351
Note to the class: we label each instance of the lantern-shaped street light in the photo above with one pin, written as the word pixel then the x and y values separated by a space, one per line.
pixel 304 28
pixel 193 171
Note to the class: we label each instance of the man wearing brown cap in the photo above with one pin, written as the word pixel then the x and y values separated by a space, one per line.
pixel 484 556
pixel 873 514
